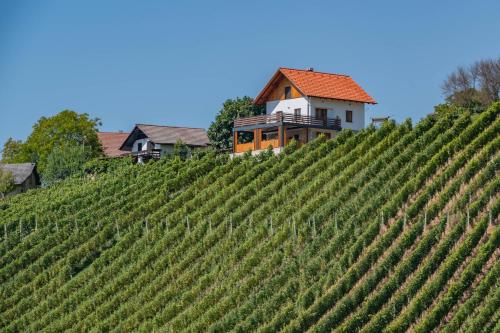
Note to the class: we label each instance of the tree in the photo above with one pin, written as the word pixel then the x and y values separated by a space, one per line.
pixel 6 182
pixel 65 161
pixel 181 149
pixel 67 128
pixel 220 131
pixel 474 87
pixel 11 150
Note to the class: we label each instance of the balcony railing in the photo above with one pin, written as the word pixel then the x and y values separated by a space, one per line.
pixel 154 153
pixel 288 118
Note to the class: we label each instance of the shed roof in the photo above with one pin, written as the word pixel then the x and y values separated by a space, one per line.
pixel 20 171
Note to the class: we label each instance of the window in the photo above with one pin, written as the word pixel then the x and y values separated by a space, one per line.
pixel 296 114
pixel 139 146
pixel 288 92
pixel 348 116
pixel 321 113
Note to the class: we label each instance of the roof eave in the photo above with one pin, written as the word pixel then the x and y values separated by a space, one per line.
pixel 123 145
pixel 343 99
pixel 271 82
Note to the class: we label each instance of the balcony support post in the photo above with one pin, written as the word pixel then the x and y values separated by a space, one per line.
pixel 256 139
pixel 235 140
pixel 281 135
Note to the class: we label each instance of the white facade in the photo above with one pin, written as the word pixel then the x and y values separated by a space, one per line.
pixel 335 108
pixel 164 148
pixel 135 146
pixel 288 106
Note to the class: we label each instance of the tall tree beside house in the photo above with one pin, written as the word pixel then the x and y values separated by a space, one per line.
pixel 6 182
pixel 220 131
pixel 474 87
pixel 67 128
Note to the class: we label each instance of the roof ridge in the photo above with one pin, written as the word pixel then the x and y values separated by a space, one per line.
pixel 314 71
pixel 170 126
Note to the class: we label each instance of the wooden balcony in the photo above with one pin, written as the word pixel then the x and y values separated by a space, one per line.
pixel 148 154
pixel 281 118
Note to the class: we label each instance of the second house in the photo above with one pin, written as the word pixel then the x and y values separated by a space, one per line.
pixel 154 141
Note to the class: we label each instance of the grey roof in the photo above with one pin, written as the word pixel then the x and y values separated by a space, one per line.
pixel 169 135
pixel 20 171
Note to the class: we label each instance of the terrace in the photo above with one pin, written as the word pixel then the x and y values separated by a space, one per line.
pixel 260 132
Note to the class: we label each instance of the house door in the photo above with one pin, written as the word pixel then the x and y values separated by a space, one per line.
pixel 321 114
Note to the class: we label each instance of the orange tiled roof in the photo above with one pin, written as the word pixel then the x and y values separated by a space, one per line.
pixel 318 84
pixel 111 143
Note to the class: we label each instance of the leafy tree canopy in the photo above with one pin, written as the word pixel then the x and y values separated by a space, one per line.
pixel 6 182
pixel 67 128
pixel 65 161
pixel 220 131
pixel 11 150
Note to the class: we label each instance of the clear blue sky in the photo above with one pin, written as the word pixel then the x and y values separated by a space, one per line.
pixel 167 62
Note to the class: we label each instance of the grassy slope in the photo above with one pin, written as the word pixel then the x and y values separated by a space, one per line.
pixel 382 230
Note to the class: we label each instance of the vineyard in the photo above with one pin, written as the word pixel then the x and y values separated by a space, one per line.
pixel 383 230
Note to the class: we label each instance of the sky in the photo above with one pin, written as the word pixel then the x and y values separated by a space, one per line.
pixel 176 62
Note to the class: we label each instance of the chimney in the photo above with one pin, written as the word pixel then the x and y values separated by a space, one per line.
pixel 310 69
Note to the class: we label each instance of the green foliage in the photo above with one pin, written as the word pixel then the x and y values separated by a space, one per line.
pixel 181 149
pixel 102 165
pixel 6 182
pixel 65 161
pixel 65 128
pixel 385 229
pixel 11 151
pixel 220 131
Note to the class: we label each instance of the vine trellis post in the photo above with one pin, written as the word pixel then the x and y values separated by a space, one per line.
pixel 271 225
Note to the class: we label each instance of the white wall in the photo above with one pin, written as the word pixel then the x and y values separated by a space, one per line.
pixel 144 144
pixel 335 108
pixel 287 106
pixel 165 149
pixel 338 108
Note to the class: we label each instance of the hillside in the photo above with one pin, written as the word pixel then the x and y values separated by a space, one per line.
pixel 387 229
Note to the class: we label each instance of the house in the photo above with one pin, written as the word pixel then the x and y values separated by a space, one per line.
pixel 300 105
pixel 25 176
pixel 111 143
pixel 155 141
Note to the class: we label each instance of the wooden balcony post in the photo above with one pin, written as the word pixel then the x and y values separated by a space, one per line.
pixel 255 139
pixel 281 135
pixel 279 116
pixel 235 140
